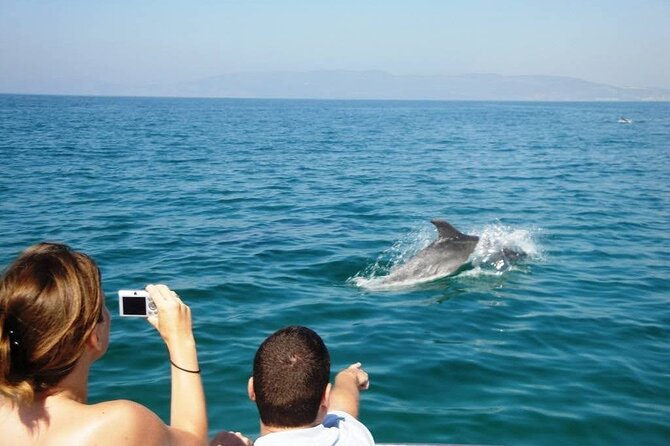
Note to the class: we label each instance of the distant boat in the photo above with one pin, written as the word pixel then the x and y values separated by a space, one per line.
pixel 623 120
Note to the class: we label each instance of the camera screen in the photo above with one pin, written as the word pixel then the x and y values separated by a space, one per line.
pixel 134 306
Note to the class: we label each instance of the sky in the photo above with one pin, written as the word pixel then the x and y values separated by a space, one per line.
pixel 46 43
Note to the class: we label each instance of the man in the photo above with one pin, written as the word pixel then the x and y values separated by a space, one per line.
pixel 296 403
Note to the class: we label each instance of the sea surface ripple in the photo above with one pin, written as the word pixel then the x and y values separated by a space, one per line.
pixel 264 213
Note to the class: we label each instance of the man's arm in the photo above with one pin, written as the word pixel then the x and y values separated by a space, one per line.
pixel 346 392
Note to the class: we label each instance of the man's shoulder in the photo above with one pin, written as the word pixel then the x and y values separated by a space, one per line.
pixel 337 428
pixel 352 431
pixel 337 418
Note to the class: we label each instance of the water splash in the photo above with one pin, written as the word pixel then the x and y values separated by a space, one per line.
pixel 500 248
pixel 402 250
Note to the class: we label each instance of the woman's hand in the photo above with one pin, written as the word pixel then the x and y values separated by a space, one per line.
pixel 173 321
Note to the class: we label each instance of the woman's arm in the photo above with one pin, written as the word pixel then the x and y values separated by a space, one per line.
pixel 188 414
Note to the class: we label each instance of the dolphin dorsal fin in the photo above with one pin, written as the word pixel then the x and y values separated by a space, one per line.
pixel 448 232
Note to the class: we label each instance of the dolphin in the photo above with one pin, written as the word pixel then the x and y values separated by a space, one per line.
pixel 442 257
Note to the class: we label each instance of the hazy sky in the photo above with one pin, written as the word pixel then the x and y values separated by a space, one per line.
pixel 619 42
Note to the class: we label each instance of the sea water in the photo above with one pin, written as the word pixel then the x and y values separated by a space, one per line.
pixel 265 213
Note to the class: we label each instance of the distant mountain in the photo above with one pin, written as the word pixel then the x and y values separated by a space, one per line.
pixel 381 85
pixel 364 85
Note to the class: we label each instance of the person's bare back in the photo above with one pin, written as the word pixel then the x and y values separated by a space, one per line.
pixel 57 421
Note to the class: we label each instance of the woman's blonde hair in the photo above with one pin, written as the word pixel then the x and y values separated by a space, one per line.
pixel 51 299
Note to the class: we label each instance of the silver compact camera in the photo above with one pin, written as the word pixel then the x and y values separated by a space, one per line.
pixel 136 303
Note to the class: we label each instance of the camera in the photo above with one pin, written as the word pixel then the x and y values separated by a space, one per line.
pixel 136 303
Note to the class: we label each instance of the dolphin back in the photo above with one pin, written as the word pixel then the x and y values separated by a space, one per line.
pixel 446 231
pixel 441 258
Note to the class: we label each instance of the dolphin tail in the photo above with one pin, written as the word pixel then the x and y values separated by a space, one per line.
pixel 448 232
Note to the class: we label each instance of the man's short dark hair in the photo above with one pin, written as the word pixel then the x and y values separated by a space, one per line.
pixel 291 372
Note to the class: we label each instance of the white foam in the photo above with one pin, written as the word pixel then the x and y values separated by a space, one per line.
pixel 378 284
pixel 495 240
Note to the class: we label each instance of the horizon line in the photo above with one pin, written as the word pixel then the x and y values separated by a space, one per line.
pixel 333 99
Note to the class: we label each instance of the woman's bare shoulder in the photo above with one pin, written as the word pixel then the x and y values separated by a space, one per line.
pixel 129 423
pixel 69 422
pixel 126 422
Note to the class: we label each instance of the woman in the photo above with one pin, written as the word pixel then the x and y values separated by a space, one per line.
pixel 53 326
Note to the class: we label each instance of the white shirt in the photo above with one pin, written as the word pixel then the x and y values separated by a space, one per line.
pixel 338 428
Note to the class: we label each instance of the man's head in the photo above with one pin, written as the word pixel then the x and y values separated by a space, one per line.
pixel 290 377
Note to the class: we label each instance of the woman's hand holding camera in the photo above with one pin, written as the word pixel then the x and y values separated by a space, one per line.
pixel 173 320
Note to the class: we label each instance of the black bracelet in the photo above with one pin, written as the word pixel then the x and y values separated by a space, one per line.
pixel 183 369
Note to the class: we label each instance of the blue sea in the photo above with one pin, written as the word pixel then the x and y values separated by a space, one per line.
pixel 265 213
